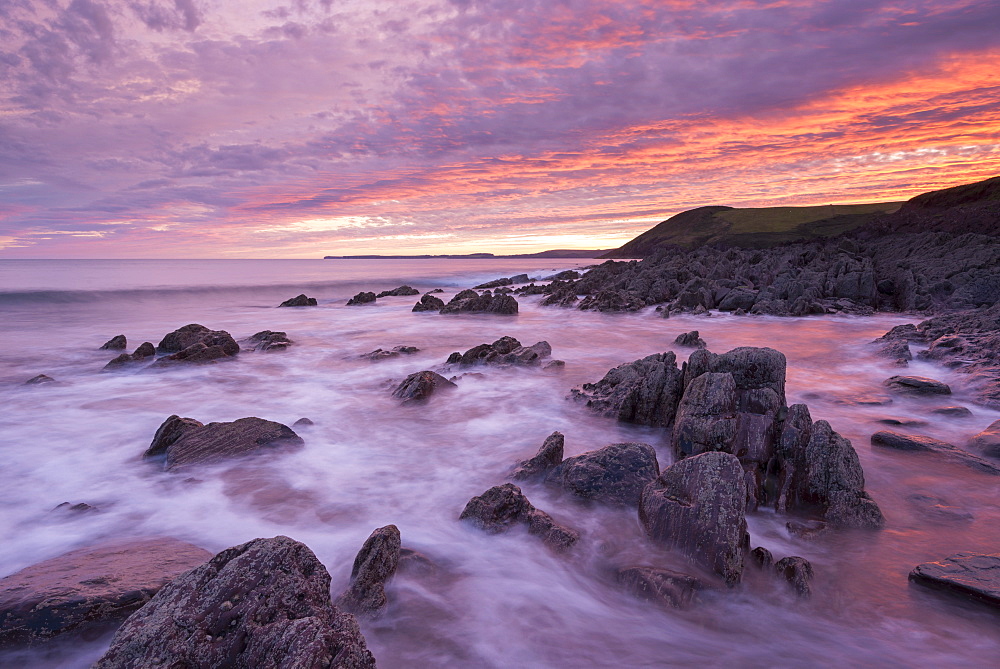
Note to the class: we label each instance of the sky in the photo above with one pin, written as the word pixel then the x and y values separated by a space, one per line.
pixel 303 128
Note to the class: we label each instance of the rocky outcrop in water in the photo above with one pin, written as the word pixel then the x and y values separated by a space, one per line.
pixel 614 475
pixel 505 281
pixel 144 352
pixel 690 339
pixel 916 442
pixel 502 352
pixel 116 343
pixel 299 301
pixel 502 507
pixel 39 380
pixel 265 603
pixel 917 385
pixel 396 351
pixel 183 442
pixel 429 303
pixel 798 572
pixel 94 587
pixel 267 341
pixel 973 575
pixel 402 291
pixel 987 442
pixel 374 565
pixel 419 386
pixel 645 391
pixel 364 297
pixel 548 457
pixel 664 587
pixel 195 343
pixel 471 302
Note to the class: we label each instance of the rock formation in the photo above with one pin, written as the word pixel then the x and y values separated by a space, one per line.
pixel 116 343
pixel 299 301
pixel 471 302
pixel 185 442
pixel 419 386
pixel 374 565
pixel 267 341
pixel 645 392
pixel 972 575
pixel 502 507
pixel 402 291
pixel 429 303
pixel 667 588
pixel 504 351
pixel 141 354
pixel 548 456
pixel 615 474
pixel 364 297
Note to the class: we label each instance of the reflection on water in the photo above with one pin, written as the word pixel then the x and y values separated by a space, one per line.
pixel 493 601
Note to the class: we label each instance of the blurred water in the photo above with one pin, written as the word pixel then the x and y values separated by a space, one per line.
pixel 500 601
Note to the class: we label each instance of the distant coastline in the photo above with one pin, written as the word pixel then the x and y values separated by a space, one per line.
pixel 555 253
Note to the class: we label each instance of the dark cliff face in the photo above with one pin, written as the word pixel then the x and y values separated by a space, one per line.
pixel 970 208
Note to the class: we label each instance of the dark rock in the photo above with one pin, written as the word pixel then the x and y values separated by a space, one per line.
pixel 565 275
pixel 738 300
pixel 987 442
pixel 505 351
pixel 913 442
pixel 902 422
pixel 669 589
pixel 184 443
pixel 265 603
pixel 419 386
pixel 612 300
pixel 395 352
pixel 415 562
pixel 89 588
pixel 436 290
pixel 198 353
pixel 762 557
pixel 76 509
pixel 917 385
pixel 973 575
pixel 116 343
pixel 470 302
pixel 809 529
pixel 303 422
pixel 938 509
pixel 615 474
pixel 506 281
pixel 548 456
pixel 954 412
pixel 374 565
pixel 501 507
pixel 362 298
pixel 897 350
pixel 798 571
pixel 554 366
pixel 402 291
pixel 299 301
pixel 645 391
pixel 690 339
pixel 454 358
pixel 145 350
pixel 193 334
pixel 38 380
pixel 697 505
pixel 429 303
pixel 706 416
pixel 267 341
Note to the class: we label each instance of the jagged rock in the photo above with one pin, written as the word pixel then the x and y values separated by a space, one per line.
pixel 184 442
pixel 267 341
pixel 798 571
pixel 973 575
pixel 362 298
pixel 265 603
pixel 402 291
pixel 690 339
pixel 645 391
pixel 190 335
pixel 374 565
pixel 762 557
pixel 706 415
pixel 615 474
pixel 144 351
pixel 697 506
pixel 91 587
pixel 299 301
pixel 669 589
pixel 395 352
pixel 116 343
pixel 987 442
pixel 419 386
pixel 470 302
pixel 738 299
pixel 917 385
pixel 38 380
pixel 501 507
pixel 505 351
pixel 429 303
pixel 548 456
pixel 913 442
pixel 612 300
pixel 565 275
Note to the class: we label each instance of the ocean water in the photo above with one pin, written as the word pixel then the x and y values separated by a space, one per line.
pixel 498 601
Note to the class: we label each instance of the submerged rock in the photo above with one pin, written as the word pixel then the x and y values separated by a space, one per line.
pixel 116 343
pixel 184 443
pixel 972 575
pixel 548 456
pixel 667 588
pixel 374 565
pixel 987 442
pixel 429 303
pixel 265 603
pixel 501 507
pixel 299 301
pixel 402 291
pixel 395 352
pixel 364 297
pixel 267 341
pixel 913 442
pixel 615 474
pixel 91 587
pixel 419 386
pixel 39 380
pixel 917 385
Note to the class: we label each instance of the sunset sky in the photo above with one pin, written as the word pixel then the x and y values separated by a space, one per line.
pixel 300 128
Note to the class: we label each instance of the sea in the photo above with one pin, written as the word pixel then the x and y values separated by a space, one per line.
pixel 497 600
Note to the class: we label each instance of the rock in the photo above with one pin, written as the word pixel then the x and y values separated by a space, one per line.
pixel 798 571
pixel 938 509
pixel 398 292
pixel 88 588
pixel 690 339
pixel 697 506
pixel 809 529
pixel 416 563
pixel 185 444
pixel 419 386
pixel 505 351
pixel 374 565
pixel 501 507
pixel 299 301
pixel 614 475
pixel 265 603
pixel 554 366
pixel 116 343
pixel 436 290
pixel 362 298
pixel 190 335
pixel 75 509
pixel 738 300
pixel 38 380
pixel 565 275
pixel 429 303
pixel 198 353
pixel 902 422
pixel 898 350
pixel 669 589
pixel 395 352
pixel 506 281
pixel 987 442
pixel 914 442
pixel 973 575
pixel 762 557
pixel 144 351
pixel 917 385
pixel 548 456
pixel 267 341
pixel 645 391
pixel 487 303
pixel 303 422
pixel 706 416
pixel 953 412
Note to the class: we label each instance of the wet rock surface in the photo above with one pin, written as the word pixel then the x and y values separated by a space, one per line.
pixel 267 341
pixel 916 442
pixel 193 334
pixel 419 386
pixel 374 565
pixel 502 507
pixel 973 575
pixel 798 572
pixel 395 352
pixel 262 603
pixel 505 281
pixel 143 353
pixel 89 588
pixel 549 456
pixel 690 339
pixel 116 343
pixel 917 385
pixel 364 297
pixel 664 587
pixel 987 442
pixel 645 391
pixel 402 291
pixel 504 351
pixel 299 301
pixel 39 380
pixel 614 475
pixel 429 302
pixel 471 302
pixel 205 444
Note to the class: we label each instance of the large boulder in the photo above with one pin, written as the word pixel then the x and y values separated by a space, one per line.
pixel 502 507
pixel 548 457
pixel 187 444
pixel 364 297
pixel 471 302
pixel 89 588
pixel 698 506
pixel 265 603
pixel 615 474
pixel 299 301
pixel 973 575
pixel 645 391
pixel 267 341
pixel 419 386
pixel 190 335
pixel 706 416
pixel 374 565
